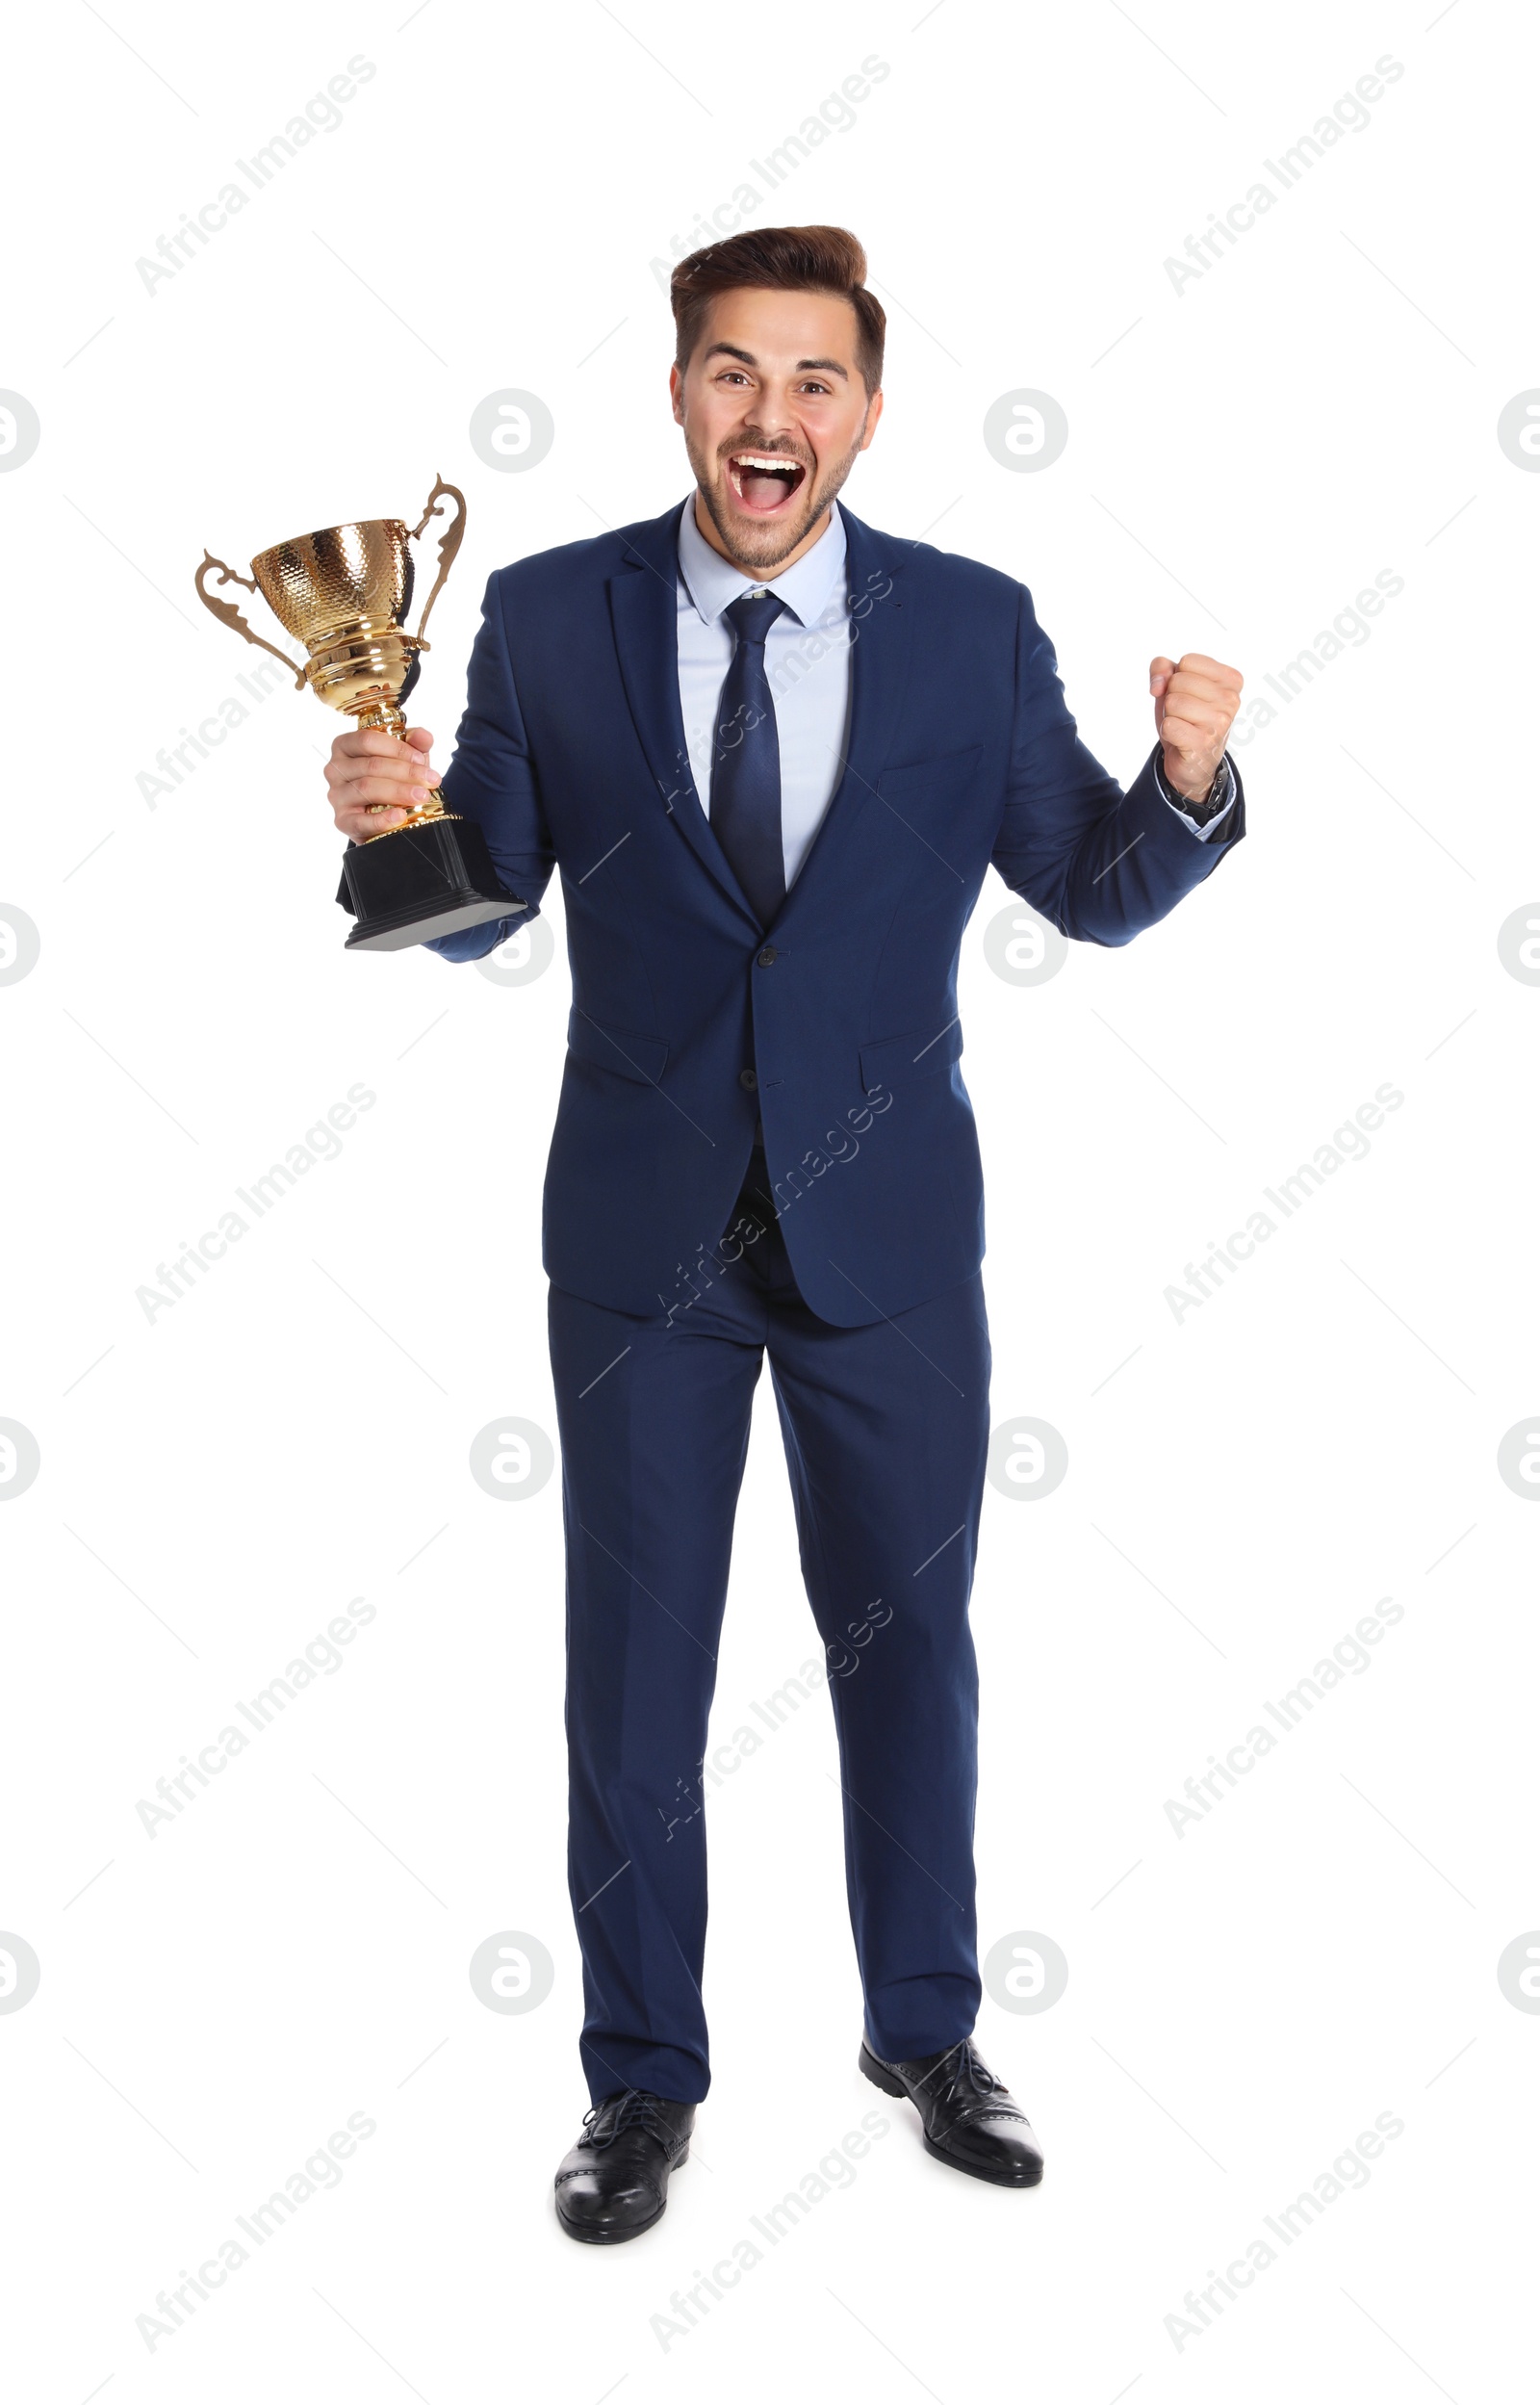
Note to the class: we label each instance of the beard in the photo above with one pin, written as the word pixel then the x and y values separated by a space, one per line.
pixel 766 547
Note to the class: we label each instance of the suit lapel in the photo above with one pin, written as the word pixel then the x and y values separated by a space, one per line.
pixel 880 650
pixel 644 612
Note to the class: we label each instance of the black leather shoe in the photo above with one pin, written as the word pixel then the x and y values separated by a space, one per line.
pixel 614 2183
pixel 971 2119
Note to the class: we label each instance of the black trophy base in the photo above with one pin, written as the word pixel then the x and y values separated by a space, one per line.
pixel 415 882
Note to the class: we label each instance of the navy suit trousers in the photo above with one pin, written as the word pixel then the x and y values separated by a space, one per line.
pixel 886 1428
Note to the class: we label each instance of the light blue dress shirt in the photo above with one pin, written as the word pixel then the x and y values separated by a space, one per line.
pixel 807 658
pixel 807 664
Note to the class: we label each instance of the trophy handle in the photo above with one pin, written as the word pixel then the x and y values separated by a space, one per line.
pixel 228 613
pixel 449 541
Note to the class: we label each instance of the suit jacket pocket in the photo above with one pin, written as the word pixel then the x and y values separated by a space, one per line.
pixel 900 1060
pixel 619 1049
pixel 916 777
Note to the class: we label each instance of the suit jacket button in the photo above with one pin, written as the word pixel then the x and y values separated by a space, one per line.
pixel 768 957
pixel 747 1079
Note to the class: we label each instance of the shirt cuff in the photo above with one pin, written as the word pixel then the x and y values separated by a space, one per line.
pixel 1205 817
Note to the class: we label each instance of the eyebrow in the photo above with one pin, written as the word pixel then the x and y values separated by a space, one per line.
pixel 731 351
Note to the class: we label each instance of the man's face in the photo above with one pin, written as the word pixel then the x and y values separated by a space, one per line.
pixel 774 412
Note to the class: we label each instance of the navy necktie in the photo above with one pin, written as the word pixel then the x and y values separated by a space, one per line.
pixel 746 759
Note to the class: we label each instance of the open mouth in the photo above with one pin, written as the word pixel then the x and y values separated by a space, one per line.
pixel 764 482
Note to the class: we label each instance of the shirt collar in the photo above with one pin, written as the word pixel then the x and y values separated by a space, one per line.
pixel 806 587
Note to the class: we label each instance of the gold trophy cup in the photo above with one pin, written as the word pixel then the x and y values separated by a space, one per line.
pixel 344 593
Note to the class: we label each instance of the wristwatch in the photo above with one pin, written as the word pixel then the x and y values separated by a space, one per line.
pixel 1218 798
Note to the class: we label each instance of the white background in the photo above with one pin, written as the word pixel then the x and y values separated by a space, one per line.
pixel 1243 457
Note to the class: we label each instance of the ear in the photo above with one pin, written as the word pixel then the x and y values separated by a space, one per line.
pixel 874 410
pixel 676 394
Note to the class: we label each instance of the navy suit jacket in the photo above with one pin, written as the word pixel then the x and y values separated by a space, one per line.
pixel 838 1024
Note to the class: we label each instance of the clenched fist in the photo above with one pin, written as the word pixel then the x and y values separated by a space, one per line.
pixel 1195 702
pixel 375 782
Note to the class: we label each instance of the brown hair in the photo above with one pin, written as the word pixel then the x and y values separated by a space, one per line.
pixel 786 259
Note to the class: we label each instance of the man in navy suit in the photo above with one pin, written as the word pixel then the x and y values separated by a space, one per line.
pixel 773 753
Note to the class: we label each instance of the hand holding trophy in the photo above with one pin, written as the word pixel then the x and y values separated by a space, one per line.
pixel 344 593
